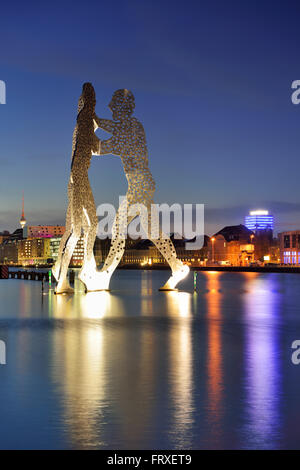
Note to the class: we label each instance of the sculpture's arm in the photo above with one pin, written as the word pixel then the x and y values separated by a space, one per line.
pixel 107 147
pixel 104 147
pixel 104 124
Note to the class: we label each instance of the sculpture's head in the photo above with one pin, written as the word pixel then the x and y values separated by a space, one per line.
pixel 88 98
pixel 122 104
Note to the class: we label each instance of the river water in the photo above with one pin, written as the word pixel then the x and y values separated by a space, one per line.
pixel 136 368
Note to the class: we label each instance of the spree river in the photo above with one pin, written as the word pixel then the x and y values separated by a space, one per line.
pixel 136 368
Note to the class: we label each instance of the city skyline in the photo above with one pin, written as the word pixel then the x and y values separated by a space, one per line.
pixel 228 223
pixel 219 121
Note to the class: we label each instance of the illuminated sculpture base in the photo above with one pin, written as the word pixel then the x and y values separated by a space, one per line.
pixel 176 277
pixel 64 288
pixel 94 280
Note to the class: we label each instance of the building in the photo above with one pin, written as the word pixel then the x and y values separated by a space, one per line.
pixel 9 251
pixel 101 249
pixel 289 247
pixel 232 245
pixel 9 246
pixel 262 224
pixel 44 231
pixel 143 252
pixel 34 251
pixel 78 253
pixel 4 236
pixel 36 248
pixel 259 220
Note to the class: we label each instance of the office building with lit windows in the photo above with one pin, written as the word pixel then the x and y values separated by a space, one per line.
pixel 289 244
pixel 33 251
pixel 78 253
pixel 259 220
pixel 43 231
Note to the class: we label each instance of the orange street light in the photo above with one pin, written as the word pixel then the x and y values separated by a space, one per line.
pixel 213 248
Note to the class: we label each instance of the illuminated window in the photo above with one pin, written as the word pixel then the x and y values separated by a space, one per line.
pixel 286 241
pixel 286 257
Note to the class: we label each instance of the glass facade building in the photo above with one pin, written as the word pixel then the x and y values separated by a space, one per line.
pixel 259 220
pixel 289 243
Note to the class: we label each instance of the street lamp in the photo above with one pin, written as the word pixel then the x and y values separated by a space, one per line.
pixel 251 241
pixel 213 248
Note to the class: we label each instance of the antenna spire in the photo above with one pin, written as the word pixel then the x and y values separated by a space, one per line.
pixel 23 220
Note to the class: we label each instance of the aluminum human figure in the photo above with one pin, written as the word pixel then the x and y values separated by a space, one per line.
pixel 128 141
pixel 81 213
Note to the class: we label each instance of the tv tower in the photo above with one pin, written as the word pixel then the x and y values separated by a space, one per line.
pixel 23 220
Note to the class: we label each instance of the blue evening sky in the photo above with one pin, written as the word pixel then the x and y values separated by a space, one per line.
pixel 212 82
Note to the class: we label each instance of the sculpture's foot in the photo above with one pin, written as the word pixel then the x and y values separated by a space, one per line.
pixel 95 280
pixel 88 276
pixel 104 280
pixel 64 288
pixel 176 277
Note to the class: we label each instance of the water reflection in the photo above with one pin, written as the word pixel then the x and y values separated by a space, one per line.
pixel 80 356
pixel 146 293
pixel 138 368
pixel 93 305
pixel 79 365
pixel 25 300
pixel 181 370
pixel 262 367
pixel 214 357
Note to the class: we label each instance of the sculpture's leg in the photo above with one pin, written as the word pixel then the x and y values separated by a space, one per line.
pixel 57 266
pixel 117 246
pixel 116 251
pixel 150 223
pixel 89 270
pixel 63 285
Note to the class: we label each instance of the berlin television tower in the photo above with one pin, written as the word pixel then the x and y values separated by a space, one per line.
pixel 23 220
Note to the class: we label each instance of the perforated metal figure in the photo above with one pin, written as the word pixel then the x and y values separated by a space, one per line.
pixel 128 141
pixel 81 212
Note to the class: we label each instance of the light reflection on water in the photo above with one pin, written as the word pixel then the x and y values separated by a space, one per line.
pixel 214 357
pixel 181 372
pixel 263 368
pixel 138 368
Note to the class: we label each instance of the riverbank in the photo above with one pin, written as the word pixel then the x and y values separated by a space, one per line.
pixel 238 269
